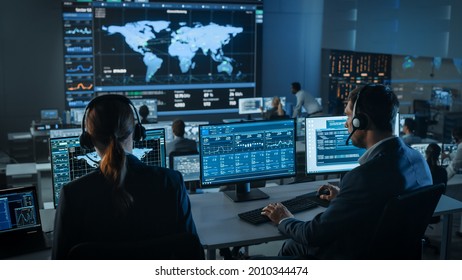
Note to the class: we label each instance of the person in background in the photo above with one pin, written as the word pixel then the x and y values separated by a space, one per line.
pixel 306 100
pixel 123 199
pixel 179 142
pixel 455 163
pixel 387 168
pixel 409 136
pixel 432 154
pixel 455 157
pixel 275 111
pixel 144 113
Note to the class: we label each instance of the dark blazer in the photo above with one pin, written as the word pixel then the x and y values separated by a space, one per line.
pixel 180 144
pixel 344 230
pixel 85 212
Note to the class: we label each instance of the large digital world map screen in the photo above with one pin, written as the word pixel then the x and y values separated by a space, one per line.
pixel 189 55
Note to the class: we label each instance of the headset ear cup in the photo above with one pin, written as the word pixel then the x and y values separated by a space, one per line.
pixel 85 141
pixel 139 133
pixel 360 121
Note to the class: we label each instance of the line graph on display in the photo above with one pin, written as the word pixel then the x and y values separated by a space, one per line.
pixel 80 68
pixel 83 31
pixel 149 152
pixel 278 144
pixel 217 149
pixel 25 216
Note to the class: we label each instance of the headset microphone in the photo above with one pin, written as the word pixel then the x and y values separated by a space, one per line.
pixel 349 137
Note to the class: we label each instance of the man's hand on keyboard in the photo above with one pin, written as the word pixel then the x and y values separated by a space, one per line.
pixel 276 212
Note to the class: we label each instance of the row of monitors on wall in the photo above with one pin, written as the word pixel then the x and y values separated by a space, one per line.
pixel 229 153
pixel 190 55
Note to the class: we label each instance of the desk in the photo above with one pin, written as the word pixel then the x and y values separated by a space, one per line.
pixel 219 226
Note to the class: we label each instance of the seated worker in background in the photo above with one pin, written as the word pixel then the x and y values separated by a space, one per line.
pixel 432 154
pixel 409 129
pixel 123 199
pixel 144 113
pixel 455 164
pixel 179 143
pixel 275 111
pixel 387 168
pixel 306 100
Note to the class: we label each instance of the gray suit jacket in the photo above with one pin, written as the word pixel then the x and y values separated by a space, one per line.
pixel 345 229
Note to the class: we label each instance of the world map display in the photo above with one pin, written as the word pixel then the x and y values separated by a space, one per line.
pixel 185 42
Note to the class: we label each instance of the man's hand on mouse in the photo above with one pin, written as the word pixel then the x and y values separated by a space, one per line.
pixel 328 191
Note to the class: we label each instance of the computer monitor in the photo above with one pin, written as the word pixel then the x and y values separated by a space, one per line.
pixel 326 148
pixel 49 114
pixel 238 153
pixel 191 129
pixel 77 115
pixel 250 105
pixel 441 98
pixel 150 103
pixel 187 165
pixel 70 161
pixel 267 102
pixel 446 148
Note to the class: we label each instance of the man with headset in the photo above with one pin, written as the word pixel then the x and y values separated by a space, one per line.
pixel 387 168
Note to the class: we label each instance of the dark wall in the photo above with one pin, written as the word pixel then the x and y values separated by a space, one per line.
pixel 31 64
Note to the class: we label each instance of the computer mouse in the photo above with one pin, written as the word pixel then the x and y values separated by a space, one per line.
pixel 323 192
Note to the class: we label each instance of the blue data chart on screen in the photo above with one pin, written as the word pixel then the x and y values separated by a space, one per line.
pixel 331 145
pixel 247 151
pixel 326 147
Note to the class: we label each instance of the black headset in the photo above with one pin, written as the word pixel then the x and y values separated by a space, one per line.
pixel 360 120
pixel 138 134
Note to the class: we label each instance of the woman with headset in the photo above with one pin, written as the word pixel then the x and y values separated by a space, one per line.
pixel 123 199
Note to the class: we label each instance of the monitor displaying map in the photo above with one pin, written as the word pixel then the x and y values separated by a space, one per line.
pixel 69 161
pixel 194 57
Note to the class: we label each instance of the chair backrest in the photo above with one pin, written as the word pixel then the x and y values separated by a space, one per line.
pixel 184 246
pixel 403 223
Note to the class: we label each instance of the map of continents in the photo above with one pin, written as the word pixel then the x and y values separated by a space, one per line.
pixel 184 44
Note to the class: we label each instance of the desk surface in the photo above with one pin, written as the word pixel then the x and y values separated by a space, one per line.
pixel 219 226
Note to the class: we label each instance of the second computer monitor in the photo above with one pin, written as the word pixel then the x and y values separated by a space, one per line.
pixel 69 161
pixel 237 153
pixel 326 149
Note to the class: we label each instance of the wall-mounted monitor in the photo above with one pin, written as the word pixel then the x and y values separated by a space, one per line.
pixel 194 57
pixel 238 153
pixel 70 161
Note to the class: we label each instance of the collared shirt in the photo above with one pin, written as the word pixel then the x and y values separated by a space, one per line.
pixel 372 151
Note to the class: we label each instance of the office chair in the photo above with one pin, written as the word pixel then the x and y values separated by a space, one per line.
pixel 184 246
pixel 402 225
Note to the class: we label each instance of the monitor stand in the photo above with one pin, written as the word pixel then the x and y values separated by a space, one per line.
pixel 244 193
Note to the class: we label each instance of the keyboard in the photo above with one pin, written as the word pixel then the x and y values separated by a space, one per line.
pixel 295 205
